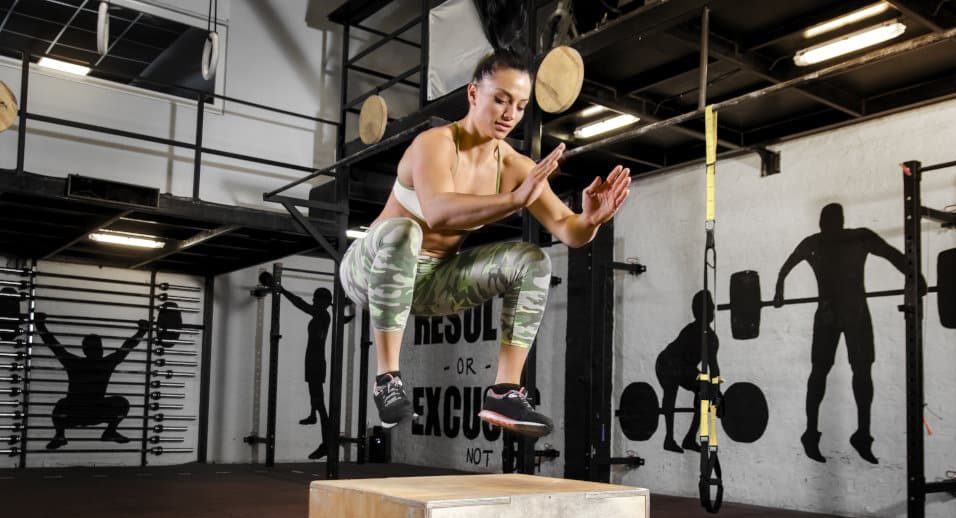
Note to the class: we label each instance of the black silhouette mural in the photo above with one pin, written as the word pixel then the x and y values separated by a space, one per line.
pixel 837 256
pixel 86 402
pixel 677 367
pixel 315 364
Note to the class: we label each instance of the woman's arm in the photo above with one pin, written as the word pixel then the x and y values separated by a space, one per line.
pixel 601 201
pixel 431 157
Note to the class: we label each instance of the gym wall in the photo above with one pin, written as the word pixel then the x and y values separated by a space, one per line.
pixel 759 223
pixel 86 305
pixel 268 40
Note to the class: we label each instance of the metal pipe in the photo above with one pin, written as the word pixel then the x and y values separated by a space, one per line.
pixel 381 33
pixel 205 371
pixel 197 157
pixel 355 157
pixel 384 86
pixel 314 272
pixel 391 36
pixel 162 286
pixel 196 91
pixel 704 61
pixel 274 337
pixel 871 57
pixel 24 96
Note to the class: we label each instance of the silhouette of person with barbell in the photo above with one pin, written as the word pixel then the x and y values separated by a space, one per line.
pixel 678 365
pixel 86 402
pixel 837 256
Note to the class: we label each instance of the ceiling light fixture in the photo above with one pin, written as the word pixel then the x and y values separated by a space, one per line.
pixel 847 19
pixel 63 66
pixel 126 239
pixel 849 43
pixel 604 126
pixel 594 109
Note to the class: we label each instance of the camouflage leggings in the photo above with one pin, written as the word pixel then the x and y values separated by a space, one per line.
pixel 384 272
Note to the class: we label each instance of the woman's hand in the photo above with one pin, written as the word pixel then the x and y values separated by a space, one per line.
pixel 533 184
pixel 601 200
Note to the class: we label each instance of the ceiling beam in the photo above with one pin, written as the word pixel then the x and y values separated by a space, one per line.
pixel 796 25
pixel 639 23
pixel 651 78
pixel 608 96
pixel 84 235
pixel 9 13
pixel 926 13
pixel 66 26
pixel 185 244
pixel 726 50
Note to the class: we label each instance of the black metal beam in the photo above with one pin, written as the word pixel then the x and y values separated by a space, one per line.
pixel 391 37
pixel 649 79
pixel 83 235
pixel 725 49
pixel 205 367
pixel 385 86
pixel 185 244
pixel 651 19
pixel 352 12
pixel 794 26
pixel 380 75
pixel 927 13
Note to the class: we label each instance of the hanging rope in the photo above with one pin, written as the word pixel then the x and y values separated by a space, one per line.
pixel 709 389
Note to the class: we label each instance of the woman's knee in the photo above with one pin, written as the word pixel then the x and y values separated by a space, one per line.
pixel 533 257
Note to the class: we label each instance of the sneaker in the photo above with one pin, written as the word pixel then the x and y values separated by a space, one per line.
pixel 513 412
pixel 392 402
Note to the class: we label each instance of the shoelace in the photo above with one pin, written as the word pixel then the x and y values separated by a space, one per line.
pixel 393 390
pixel 522 396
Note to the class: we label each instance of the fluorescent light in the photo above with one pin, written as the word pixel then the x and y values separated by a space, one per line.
pixel 604 126
pixel 592 110
pixel 125 239
pixel 849 43
pixel 63 66
pixel 355 233
pixel 847 19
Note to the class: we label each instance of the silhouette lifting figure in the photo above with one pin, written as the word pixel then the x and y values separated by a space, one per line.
pixel 837 256
pixel 315 365
pixel 678 365
pixel 86 402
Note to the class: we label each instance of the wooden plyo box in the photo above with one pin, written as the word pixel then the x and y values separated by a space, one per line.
pixel 475 496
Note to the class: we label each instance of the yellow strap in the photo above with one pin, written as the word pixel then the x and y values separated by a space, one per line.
pixel 710 124
pixel 704 419
pixel 703 376
pixel 712 438
pixel 716 380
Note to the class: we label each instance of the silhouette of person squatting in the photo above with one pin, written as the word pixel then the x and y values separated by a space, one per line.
pixel 837 256
pixel 86 402
pixel 678 365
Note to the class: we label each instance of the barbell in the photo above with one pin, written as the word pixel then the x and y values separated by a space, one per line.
pixel 745 412
pixel 745 303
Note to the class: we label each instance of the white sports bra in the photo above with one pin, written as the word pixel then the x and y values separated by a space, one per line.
pixel 407 198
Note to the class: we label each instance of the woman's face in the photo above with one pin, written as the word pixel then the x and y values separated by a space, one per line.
pixel 498 101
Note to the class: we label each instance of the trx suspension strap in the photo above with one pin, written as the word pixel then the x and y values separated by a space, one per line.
pixel 709 386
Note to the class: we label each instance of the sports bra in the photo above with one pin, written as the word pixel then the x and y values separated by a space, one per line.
pixel 406 195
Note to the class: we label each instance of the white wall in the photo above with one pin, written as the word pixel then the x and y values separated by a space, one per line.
pixel 272 58
pixel 759 222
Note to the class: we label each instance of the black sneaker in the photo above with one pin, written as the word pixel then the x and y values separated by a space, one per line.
pixel 392 402
pixel 513 412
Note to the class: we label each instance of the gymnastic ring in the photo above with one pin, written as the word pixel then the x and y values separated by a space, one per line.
pixel 210 56
pixel 103 28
